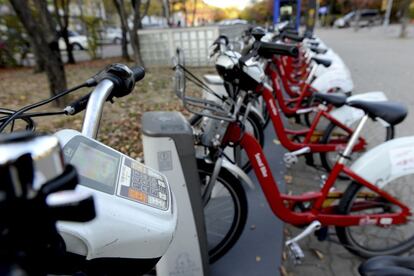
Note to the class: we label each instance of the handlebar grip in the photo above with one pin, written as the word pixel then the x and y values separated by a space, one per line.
pixel 139 73
pixel 293 37
pixel 267 49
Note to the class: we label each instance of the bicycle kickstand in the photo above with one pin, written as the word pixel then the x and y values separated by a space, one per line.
pixel 295 252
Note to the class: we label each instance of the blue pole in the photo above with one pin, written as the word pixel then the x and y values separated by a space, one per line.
pixel 298 7
pixel 276 11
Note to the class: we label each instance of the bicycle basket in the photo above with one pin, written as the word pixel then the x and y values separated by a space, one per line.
pixel 206 103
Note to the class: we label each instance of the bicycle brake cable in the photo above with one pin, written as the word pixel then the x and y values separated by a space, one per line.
pixel 19 112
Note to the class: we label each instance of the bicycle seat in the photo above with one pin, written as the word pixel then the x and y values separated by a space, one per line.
pixel 336 99
pixel 324 62
pixel 387 266
pixel 391 112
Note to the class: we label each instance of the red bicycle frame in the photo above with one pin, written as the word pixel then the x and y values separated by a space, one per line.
pixel 283 205
pixel 282 133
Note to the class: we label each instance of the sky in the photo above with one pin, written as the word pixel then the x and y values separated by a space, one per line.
pixel 228 3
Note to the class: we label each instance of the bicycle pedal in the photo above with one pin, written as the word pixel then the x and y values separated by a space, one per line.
pixel 295 252
pixel 290 159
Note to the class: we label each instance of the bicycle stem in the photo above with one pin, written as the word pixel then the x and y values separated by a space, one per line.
pixel 94 108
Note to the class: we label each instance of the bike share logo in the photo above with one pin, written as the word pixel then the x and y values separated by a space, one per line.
pixel 273 107
pixel 261 164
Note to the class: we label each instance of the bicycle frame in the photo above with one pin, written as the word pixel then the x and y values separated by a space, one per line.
pixel 283 205
pixel 282 133
pixel 305 91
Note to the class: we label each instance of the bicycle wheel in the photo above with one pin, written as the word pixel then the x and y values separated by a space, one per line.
pixel 372 240
pixel 237 154
pixel 225 212
pixel 253 126
pixel 373 132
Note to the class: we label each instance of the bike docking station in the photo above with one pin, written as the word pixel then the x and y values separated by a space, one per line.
pixel 168 144
pixel 169 147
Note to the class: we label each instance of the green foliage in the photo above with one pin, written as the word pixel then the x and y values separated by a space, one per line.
pixel 155 8
pixel 411 14
pixel 259 12
pixel 13 41
pixel 92 26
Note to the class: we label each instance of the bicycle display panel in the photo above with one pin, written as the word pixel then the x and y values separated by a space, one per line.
pixel 109 171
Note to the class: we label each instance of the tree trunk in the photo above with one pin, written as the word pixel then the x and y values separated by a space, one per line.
pixel 194 12
pixel 405 8
pixel 43 35
pixel 133 33
pixel 147 4
pixel 166 11
pixel 120 8
pixel 63 21
pixel 185 13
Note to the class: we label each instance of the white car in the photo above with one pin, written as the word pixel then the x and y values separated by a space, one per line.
pixel 78 42
pixel 111 36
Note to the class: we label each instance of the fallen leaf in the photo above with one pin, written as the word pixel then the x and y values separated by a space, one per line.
pixel 288 179
pixel 318 254
pixel 277 142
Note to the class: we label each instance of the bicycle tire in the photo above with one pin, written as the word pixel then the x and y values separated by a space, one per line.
pixel 329 161
pixel 258 132
pixel 239 200
pixel 348 239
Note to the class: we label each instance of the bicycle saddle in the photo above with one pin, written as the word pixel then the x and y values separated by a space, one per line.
pixel 387 266
pixel 391 112
pixel 336 99
pixel 324 62
pixel 293 37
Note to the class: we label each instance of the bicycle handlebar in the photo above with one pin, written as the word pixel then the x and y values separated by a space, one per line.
pixel 121 76
pixel 138 73
pixel 268 48
pixel 293 37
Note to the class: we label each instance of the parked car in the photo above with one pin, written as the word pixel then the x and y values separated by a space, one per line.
pixel 78 41
pixel 367 18
pixel 111 36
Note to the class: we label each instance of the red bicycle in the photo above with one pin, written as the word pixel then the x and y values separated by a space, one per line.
pixel 370 218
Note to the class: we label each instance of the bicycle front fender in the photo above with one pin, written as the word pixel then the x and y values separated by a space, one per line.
pixel 349 115
pixel 386 162
pixel 239 173
pixel 256 111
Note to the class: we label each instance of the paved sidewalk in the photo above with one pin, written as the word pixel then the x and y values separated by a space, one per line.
pixel 379 61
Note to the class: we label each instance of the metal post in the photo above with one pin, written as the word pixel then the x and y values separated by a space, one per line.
pixel 311 16
pixel 276 11
pixel 388 13
pixel 298 9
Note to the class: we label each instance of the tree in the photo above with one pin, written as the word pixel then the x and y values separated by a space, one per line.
pixel 405 10
pixel 194 12
pixel 133 32
pixel 63 22
pixel 139 10
pixel 120 8
pixel 37 21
